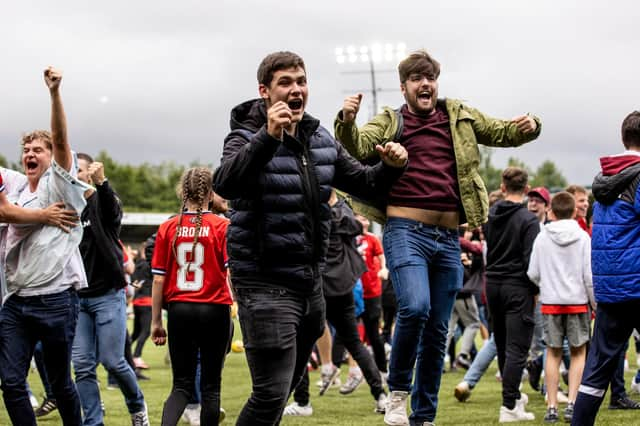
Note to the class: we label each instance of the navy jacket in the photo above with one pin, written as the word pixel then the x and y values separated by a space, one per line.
pixel 278 190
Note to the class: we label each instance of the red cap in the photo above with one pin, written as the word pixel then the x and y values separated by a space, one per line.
pixel 541 192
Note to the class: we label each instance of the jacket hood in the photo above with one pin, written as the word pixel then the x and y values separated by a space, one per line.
pixel 503 210
pixel 564 232
pixel 607 187
pixel 252 115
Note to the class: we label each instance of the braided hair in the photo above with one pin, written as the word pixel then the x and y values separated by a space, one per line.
pixel 195 187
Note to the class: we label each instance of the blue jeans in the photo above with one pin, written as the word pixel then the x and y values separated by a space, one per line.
pixel 23 322
pixel 100 336
pixel 426 272
pixel 481 362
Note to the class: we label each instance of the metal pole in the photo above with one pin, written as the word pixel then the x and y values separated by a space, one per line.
pixel 374 90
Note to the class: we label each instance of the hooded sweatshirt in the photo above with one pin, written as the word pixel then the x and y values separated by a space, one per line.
pixel 615 245
pixel 510 233
pixel 560 265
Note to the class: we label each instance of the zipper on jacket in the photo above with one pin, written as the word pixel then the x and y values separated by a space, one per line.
pixel 312 197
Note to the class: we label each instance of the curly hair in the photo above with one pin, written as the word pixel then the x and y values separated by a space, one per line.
pixel 43 135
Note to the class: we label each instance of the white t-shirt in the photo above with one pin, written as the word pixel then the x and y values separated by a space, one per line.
pixel 13 182
pixel 44 259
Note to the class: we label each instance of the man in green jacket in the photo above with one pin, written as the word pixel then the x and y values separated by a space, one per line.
pixel 440 189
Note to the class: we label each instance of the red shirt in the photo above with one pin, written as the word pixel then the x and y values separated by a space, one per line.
pixel 370 248
pixel 198 276
pixel 1 184
pixel 430 180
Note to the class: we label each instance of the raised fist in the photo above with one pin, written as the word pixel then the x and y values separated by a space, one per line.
pixel 52 77
pixel 351 107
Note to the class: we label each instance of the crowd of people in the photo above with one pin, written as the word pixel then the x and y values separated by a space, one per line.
pixel 292 248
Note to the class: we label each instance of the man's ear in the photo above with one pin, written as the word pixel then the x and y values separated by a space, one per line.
pixel 263 90
pixel 503 188
pixel 527 188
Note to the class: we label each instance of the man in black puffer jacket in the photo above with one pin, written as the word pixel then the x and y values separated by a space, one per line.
pixel 278 167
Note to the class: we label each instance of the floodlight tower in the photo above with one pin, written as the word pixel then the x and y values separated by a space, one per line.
pixel 372 54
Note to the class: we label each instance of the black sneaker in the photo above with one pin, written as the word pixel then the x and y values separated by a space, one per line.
pixel 624 403
pixel 463 361
pixel 535 371
pixel 551 415
pixel 141 376
pixel 568 413
pixel 48 405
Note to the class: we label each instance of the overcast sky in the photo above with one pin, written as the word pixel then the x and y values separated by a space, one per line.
pixel 155 80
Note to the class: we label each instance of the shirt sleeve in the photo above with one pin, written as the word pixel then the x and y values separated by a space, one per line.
pixel 159 261
pixel 377 246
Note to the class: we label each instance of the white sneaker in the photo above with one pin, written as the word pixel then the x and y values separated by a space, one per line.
pixel 635 386
pixel 517 414
pixel 462 392
pixel 381 403
pixel 294 409
pixel 191 414
pixel 524 400
pixel 352 383
pixel 35 404
pixel 396 409
pixel 561 398
pixel 141 418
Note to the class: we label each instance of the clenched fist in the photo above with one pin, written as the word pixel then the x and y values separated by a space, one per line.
pixel 525 123
pixel 393 154
pixel 52 77
pixel 96 173
pixel 279 117
pixel 351 107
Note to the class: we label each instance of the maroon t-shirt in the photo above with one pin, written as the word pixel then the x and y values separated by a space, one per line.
pixel 430 181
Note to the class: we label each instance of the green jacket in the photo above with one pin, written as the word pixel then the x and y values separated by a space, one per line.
pixel 469 127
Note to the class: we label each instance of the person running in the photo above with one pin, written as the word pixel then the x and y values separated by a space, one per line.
pixel 190 279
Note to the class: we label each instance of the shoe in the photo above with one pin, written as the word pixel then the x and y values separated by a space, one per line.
pixel 523 400
pixel 141 376
pixel 624 403
pixel 635 386
pixel 327 379
pixel 396 410
pixel 139 363
pixel 381 403
pixel 568 413
pixel 102 408
pixel 191 414
pixel 517 414
pixel 352 383
pixel 535 371
pixel 463 361
pixel 47 406
pixel 551 415
pixel 222 415
pixel 462 392
pixel 34 401
pixel 141 418
pixel 295 409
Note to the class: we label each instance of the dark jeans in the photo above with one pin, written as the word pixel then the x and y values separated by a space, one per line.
pixel 512 318
pixel 24 321
pixel 341 314
pixel 141 328
pixel 196 328
pixel 38 357
pixel 371 320
pixel 389 310
pixel 613 327
pixel 279 329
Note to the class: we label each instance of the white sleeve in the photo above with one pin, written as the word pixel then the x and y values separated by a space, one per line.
pixel 534 262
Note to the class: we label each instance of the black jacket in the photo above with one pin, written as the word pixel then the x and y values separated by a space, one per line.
pixel 344 264
pixel 510 233
pixel 280 219
pixel 100 246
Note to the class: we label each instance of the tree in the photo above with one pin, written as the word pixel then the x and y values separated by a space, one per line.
pixel 549 176
pixel 490 175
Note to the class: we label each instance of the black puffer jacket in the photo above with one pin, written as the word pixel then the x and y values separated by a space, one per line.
pixel 280 219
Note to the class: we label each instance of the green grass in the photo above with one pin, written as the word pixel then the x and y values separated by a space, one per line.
pixel 330 409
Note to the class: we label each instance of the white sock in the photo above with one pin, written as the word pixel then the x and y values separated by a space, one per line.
pixel 355 371
pixel 326 369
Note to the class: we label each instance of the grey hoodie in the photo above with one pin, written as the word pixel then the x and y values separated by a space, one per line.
pixel 560 264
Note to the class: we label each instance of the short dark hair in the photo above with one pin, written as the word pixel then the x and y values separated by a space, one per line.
pixel 515 179
pixel 275 62
pixel 495 196
pixel 631 130
pixel 418 62
pixel 85 157
pixel 563 205
pixel 576 189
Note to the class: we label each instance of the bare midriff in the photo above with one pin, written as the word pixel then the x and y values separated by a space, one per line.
pixel 430 217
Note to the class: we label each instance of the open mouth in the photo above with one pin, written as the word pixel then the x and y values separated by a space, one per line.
pixel 424 96
pixel 31 165
pixel 295 104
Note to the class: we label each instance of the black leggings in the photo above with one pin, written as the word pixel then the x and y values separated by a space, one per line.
pixel 194 327
pixel 141 328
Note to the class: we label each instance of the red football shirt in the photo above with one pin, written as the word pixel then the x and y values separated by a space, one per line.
pixel 199 275
pixel 370 248
pixel 1 184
